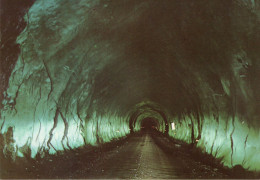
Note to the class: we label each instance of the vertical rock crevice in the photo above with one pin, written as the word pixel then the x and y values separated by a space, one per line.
pixel 55 122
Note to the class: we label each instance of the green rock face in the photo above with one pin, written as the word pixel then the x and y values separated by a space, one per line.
pixel 90 72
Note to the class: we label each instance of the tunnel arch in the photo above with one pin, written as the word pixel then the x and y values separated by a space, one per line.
pixel 149 123
pixel 147 108
pixel 201 75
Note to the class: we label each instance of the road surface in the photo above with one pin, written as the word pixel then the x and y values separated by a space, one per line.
pixel 141 158
pixel 142 155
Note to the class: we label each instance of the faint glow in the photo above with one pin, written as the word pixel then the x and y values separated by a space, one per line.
pixel 154 127
pixel 20 154
pixel 173 126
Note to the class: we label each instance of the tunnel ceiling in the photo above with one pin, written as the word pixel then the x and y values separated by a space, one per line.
pixel 148 50
pixel 88 59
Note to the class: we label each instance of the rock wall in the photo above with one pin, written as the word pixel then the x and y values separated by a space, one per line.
pixel 88 72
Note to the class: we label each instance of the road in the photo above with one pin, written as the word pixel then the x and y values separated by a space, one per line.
pixel 141 158
pixel 144 155
pixel 138 158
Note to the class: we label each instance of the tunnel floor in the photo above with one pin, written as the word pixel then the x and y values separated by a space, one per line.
pixel 142 155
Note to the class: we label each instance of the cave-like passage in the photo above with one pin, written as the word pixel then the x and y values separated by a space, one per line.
pixel 108 86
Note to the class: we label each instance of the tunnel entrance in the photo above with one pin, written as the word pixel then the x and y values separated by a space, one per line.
pixel 146 112
pixel 149 124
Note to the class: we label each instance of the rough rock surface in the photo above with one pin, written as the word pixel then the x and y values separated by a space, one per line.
pixel 89 72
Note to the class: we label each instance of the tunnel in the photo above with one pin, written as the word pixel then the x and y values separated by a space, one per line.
pixel 148 110
pixel 149 124
pixel 84 78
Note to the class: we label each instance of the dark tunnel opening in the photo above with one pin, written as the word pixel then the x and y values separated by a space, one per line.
pixel 149 124
pixel 91 74
pixel 147 110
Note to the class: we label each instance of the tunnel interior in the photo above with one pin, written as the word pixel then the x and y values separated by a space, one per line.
pixel 150 124
pixel 150 110
pixel 92 72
